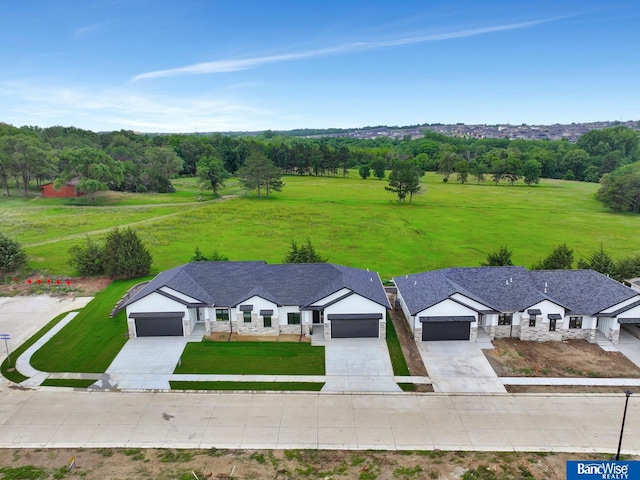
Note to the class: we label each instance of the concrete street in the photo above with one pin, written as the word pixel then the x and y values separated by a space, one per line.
pixel 52 417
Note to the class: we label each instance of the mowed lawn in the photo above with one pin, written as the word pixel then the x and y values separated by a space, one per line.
pixel 351 221
pixel 252 358
pixel 91 341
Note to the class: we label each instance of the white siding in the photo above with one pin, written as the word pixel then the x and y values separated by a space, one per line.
pixel 468 301
pixel 260 303
pixel 631 313
pixel 330 298
pixel 446 308
pixel 355 304
pixel 154 302
pixel 406 311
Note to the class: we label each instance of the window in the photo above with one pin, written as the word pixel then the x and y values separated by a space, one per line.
pixel 246 316
pixel 575 322
pixel 552 324
pixel 267 321
pixel 505 318
pixel 532 320
pixel 293 318
pixel 222 315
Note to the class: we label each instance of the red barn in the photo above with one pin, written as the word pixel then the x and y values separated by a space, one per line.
pixel 68 190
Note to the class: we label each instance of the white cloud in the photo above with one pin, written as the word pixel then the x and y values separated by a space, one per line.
pixel 233 65
pixel 116 108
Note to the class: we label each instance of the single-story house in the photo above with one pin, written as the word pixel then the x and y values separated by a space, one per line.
pixel 68 190
pixel 454 303
pixel 253 298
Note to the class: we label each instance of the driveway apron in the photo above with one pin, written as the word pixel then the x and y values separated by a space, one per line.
pixel 629 345
pixel 459 367
pixel 144 363
pixel 358 365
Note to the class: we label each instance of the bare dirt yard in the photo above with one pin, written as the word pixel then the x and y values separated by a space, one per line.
pixel 161 464
pixel 572 358
pixel 78 286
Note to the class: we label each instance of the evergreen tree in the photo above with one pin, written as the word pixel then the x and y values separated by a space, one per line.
pixel 560 259
pixel 87 259
pixel 499 258
pixel 600 261
pixel 125 256
pixel 12 257
pixel 306 253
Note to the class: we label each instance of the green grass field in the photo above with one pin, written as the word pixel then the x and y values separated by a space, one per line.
pixel 252 358
pixel 351 221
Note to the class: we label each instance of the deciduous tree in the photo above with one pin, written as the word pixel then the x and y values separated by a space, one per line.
pixel 404 180
pixel 95 169
pixel 211 173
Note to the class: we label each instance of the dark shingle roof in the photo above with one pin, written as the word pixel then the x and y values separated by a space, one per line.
pixel 514 288
pixel 582 291
pixel 229 283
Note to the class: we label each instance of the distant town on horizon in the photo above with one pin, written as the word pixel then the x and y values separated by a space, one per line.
pixel 556 131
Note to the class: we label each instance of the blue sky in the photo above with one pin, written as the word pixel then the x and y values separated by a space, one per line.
pixel 206 65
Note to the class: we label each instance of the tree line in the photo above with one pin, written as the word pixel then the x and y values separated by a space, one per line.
pixel 133 162
pixel 562 258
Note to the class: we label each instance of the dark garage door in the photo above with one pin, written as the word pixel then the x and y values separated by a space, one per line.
pixel 354 328
pixel 159 327
pixel 445 331
pixel 355 325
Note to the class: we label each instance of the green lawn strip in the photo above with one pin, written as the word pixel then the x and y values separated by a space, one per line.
pixel 398 362
pixel 252 358
pixel 274 386
pixel 90 342
pixel 67 382
pixel 15 376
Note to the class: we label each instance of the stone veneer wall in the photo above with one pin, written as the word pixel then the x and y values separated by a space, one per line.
pixel 613 335
pixel 502 331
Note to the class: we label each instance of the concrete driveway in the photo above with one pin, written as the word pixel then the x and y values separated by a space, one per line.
pixel 144 363
pixel 629 344
pixel 459 367
pixel 358 365
pixel 22 316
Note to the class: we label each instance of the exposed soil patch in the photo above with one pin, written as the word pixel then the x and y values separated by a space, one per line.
pixel 567 389
pixel 168 464
pixel 234 337
pixel 572 358
pixel 78 286
pixel 409 347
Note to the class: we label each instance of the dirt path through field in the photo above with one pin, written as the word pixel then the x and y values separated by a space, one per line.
pixel 101 231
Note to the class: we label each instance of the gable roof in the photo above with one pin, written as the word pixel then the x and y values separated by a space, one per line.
pixel 514 289
pixel 227 284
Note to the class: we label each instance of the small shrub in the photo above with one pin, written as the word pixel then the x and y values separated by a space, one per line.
pixel 258 457
pixel 27 472
pixel 174 456
pixel 407 472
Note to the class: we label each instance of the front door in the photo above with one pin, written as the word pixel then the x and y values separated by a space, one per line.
pixel 317 317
